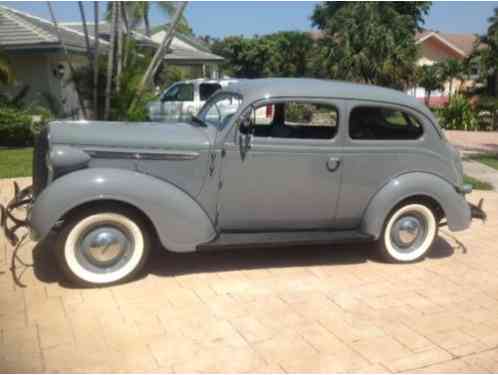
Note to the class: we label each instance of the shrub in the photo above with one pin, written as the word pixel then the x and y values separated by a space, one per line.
pixel 15 127
pixel 458 114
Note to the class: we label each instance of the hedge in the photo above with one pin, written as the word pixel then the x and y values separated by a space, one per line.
pixel 15 128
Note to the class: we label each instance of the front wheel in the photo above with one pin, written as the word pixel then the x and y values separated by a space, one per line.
pixel 99 247
pixel 409 233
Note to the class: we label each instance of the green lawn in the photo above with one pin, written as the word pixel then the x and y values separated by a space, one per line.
pixel 15 162
pixel 477 184
pixel 491 160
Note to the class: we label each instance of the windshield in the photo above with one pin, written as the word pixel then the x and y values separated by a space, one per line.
pixel 220 109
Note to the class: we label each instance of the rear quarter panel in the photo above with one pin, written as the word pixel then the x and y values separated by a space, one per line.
pixel 368 165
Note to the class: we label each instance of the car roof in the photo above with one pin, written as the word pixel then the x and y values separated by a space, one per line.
pixel 255 89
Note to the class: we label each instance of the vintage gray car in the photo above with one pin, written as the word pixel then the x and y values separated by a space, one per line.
pixel 339 162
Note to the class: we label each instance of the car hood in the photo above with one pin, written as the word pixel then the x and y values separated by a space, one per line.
pixel 131 134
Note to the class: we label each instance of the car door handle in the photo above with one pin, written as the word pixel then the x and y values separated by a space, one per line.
pixel 333 164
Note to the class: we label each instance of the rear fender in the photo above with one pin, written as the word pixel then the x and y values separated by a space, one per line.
pixel 180 222
pixel 409 185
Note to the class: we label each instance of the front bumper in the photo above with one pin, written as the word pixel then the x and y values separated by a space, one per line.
pixel 11 223
pixel 477 212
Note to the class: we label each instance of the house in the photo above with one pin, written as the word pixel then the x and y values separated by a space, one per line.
pixel 37 58
pixel 436 47
pixel 36 54
pixel 184 51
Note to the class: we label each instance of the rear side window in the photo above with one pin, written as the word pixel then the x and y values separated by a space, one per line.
pixel 208 89
pixel 382 123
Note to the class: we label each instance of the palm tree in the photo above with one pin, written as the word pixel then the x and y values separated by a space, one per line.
pixel 493 21
pixel 452 69
pixel 96 60
pixel 430 78
pixel 138 14
pixel 85 31
pixel 162 50
pixel 119 54
pixel 110 61
pixel 6 71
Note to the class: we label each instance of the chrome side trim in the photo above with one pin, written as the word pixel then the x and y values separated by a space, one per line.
pixel 163 155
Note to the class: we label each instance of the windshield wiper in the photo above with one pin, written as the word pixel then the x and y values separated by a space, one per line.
pixel 197 120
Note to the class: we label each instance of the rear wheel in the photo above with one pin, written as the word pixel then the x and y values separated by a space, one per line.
pixel 409 233
pixel 103 246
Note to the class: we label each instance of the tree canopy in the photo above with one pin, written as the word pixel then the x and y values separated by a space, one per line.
pixel 282 54
pixel 369 42
pixel 487 52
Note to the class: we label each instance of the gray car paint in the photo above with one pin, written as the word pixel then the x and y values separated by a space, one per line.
pixel 282 183
pixel 180 222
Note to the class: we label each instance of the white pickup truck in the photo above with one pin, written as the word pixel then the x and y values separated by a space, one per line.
pixel 184 98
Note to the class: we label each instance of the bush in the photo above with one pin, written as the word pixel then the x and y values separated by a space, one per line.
pixel 458 114
pixel 487 109
pixel 15 127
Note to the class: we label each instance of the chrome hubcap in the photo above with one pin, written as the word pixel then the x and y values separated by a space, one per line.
pixel 104 248
pixel 408 232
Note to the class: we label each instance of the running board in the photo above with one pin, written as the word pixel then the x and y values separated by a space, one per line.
pixel 230 240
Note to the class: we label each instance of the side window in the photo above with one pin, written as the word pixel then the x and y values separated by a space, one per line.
pixel 180 93
pixel 208 89
pixel 382 123
pixel 298 120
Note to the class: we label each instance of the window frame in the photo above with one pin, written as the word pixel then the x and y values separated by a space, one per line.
pixel 391 106
pixel 268 141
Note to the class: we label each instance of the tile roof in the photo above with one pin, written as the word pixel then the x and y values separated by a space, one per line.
pixel 19 30
pixel 463 42
pixel 105 31
pixel 195 53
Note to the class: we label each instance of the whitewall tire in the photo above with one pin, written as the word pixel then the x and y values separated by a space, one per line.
pixel 102 247
pixel 409 233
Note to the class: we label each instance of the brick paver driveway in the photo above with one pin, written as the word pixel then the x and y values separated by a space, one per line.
pixel 288 310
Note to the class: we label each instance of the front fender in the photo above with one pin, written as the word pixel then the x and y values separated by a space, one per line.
pixel 179 220
pixel 408 185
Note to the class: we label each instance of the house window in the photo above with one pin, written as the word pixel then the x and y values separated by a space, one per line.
pixel 297 120
pixel 381 123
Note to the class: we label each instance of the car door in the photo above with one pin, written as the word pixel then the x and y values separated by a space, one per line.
pixel 177 102
pixel 290 177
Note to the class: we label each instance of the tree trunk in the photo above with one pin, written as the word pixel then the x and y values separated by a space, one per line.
pixel 128 36
pixel 146 19
pixel 85 31
pixel 96 61
pixel 163 48
pixel 68 59
pixel 119 57
pixel 110 63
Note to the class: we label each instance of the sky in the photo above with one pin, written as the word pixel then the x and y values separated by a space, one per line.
pixel 219 19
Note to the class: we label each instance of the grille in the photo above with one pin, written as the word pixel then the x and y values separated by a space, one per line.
pixel 40 170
